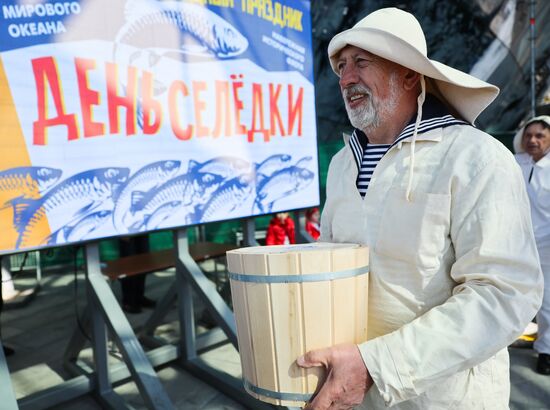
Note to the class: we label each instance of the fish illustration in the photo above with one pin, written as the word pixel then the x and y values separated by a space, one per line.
pixel 225 167
pixel 205 33
pixel 191 189
pixel 145 179
pixel 145 60
pixel 281 184
pixel 89 224
pixel 162 214
pixel 271 165
pixel 26 182
pixel 213 34
pixel 229 197
pixel 301 162
pixel 82 229
pixel 68 201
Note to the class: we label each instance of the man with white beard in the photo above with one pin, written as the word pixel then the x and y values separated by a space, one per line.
pixel 454 271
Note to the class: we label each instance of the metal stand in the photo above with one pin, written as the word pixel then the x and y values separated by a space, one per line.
pixel 6 389
pixel 249 227
pixel 302 236
pixel 7 395
pixel 104 311
pixel 23 298
pixel 190 277
pixel 38 267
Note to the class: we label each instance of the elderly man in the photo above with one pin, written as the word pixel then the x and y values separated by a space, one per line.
pixel 455 275
pixel 532 145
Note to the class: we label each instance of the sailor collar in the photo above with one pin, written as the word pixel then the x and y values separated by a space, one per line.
pixel 434 115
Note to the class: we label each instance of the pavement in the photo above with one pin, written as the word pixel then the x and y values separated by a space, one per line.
pixel 529 390
pixel 39 330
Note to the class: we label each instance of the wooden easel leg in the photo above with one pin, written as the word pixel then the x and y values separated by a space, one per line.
pixel 106 313
pixel 6 389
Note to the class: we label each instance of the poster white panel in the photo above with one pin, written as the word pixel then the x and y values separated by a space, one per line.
pixel 121 117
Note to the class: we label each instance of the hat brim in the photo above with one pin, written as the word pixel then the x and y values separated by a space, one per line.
pixel 468 95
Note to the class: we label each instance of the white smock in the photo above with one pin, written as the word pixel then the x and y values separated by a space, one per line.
pixel 537 180
pixel 454 270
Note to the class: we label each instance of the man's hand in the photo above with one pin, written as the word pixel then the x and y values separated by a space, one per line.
pixel 347 377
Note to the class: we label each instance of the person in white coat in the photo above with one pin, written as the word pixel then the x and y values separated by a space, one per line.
pixel 454 270
pixel 532 146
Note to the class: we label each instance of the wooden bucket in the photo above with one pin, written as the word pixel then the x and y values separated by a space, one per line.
pixel 289 300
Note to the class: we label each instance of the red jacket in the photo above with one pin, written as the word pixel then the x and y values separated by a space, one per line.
pixel 313 229
pixel 277 230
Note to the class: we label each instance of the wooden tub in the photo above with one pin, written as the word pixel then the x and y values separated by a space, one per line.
pixel 289 300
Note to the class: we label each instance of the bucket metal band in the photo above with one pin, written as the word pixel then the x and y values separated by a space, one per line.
pixel 314 277
pixel 275 394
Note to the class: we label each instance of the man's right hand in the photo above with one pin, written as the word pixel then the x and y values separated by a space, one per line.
pixel 348 379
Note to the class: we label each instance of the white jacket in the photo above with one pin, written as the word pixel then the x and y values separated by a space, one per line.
pixel 455 275
pixel 538 190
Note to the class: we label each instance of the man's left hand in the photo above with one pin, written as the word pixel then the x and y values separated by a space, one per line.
pixel 347 377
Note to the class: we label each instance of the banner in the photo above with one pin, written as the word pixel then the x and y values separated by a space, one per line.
pixel 119 117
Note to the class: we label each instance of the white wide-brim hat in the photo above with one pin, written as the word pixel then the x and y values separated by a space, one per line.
pixel 396 35
pixel 519 134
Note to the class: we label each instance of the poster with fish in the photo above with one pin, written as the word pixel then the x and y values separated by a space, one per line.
pixel 127 116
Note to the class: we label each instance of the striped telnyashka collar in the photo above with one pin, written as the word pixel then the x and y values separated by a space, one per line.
pixel 434 115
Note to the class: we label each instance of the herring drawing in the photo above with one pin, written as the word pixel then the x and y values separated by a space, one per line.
pixel 113 201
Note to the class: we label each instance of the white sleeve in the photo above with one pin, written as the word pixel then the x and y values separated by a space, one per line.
pixel 498 290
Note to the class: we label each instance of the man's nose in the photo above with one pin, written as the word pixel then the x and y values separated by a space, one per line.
pixel 531 139
pixel 349 77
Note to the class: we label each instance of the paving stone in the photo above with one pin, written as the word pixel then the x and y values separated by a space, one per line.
pixel 40 331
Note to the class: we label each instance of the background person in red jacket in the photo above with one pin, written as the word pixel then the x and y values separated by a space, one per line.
pixel 280 230
pixel 312 223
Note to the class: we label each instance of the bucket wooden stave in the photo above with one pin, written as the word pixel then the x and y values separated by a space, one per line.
pixel 289 300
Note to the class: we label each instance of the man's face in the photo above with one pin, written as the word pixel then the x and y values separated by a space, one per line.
pixel 315 216
pixel 536 140
pixel 282 216
pixel 370 86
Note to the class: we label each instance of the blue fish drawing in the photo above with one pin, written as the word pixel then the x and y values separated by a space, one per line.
pixel 67 202
pixel 190 190
pixel 146 60
pixel 271 165
pixel 213 34
pixel 206 34
pixel 279 185
pixel 228 199
pixel 225 167
pixel 83 229
pixel 145 179
pixel 302 161
pixel 26 182
pixel 163 213
pixel 91 223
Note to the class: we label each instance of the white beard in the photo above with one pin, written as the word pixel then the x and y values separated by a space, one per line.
pixel 365 115
pixel 369 113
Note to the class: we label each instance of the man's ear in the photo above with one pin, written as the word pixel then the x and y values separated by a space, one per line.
pixel 411 79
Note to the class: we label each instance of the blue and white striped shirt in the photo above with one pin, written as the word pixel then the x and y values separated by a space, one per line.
pixel 367 156
pixel 372 154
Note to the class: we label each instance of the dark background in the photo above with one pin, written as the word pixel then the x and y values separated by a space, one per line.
pixel 458 33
